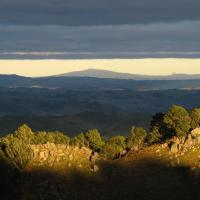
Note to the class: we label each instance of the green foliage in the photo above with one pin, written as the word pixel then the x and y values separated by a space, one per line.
pixel 79 140
pixel 94 139
pixel 114 147
pixel 119 141
pixel 111 150
pixel 178 121
pixel 136 137
pixel 158 129
pixel 25 133
pixel 16 151
pixel 195 118
pixel 56 137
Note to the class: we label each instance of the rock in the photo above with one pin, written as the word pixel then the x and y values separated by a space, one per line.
pixel 180 146
pixel 42 155
pixel 196 132
pixel 197 140
pixel 174 148
pixel 123 153
pixel 95 168
pixel 94 157
pixel 165 145
pixel 135 148
pixel 177 141
pixel 70 157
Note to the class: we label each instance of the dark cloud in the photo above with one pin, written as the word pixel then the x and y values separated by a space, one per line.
pixel 122 41
pixel 97 12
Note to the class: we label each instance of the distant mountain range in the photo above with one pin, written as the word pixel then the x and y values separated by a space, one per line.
pixel 96 73
pixel 92 79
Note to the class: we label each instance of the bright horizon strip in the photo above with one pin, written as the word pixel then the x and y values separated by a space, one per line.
pixel 147 66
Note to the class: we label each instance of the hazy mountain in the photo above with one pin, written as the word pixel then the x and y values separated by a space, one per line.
pixel 94 83
pixel 116 75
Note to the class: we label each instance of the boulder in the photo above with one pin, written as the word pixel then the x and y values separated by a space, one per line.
pixel 174 147
pixel 196 132
pixel 165 145
pixel 189 141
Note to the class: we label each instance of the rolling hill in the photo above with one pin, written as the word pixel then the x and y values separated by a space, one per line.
pixel 116 75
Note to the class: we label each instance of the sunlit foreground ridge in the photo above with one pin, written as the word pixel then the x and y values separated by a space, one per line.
pixel 161 164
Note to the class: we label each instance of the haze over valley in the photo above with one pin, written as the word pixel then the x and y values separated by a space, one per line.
pixel 109 101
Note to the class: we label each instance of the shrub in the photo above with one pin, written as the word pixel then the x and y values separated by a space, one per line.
pixel 25 133
pixel 137 137
pixel 195 118
pixel 79 140
pixel 40 137
pixel 154 136
pixel 178 121
pixel 16 151
pixel 111 150
pixel 56 137
pixel 114 147
pixel 94 139
pixel 118 140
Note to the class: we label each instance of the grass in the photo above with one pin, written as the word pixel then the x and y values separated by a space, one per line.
pixel 151 173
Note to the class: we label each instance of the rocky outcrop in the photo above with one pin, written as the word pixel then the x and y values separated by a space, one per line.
pixel 182 144
pixel 51 155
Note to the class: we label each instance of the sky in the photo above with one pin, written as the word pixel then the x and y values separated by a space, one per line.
pixel 148 66
pixel 106 29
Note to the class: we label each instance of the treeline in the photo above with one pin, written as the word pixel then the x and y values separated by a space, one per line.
pixel 178 121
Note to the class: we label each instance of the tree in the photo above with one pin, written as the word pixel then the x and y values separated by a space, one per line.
pixel 155 136
pixel 114 146
pixel 25 133
pixel 158 129
pixel 118 140
pixel 111 150
pixel 18 152
pixel 178 121
pixel 56 137
pixel 195 118
pixel 94 139
pixel 136 138
pixel 79 140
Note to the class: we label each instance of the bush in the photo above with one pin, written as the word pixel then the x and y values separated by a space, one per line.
pixel 195 118
pixel 114 147
pixel 118 140
pixel 16 151
pixel 56 137
pixel 80 141
pixel 178 121
pixel 154 136
pixel 137 137
pixel 111 150
pixel 25 133
pixel 94 139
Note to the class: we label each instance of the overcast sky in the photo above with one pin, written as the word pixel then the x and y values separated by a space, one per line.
pixel 99 29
